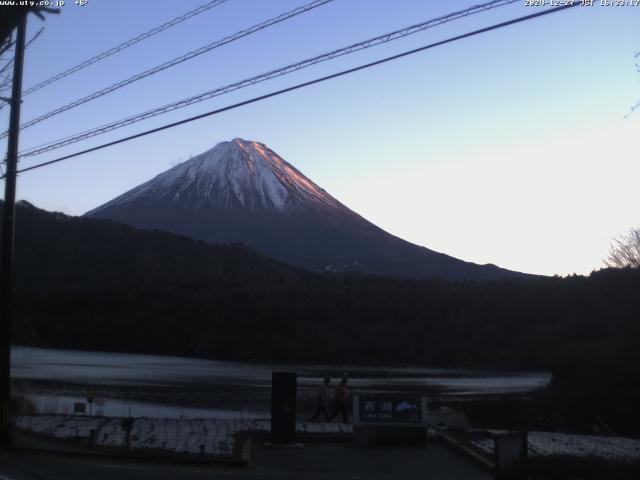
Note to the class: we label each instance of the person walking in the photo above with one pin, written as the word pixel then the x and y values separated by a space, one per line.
pixel 323 397
pixel 342 396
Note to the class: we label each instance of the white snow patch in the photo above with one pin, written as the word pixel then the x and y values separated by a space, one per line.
pixel 237 173
pixel 215 437
pixel 548 443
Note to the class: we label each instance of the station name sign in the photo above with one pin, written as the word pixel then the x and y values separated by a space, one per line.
pixel 389 410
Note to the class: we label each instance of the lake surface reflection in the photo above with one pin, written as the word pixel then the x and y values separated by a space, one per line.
pixel 154 385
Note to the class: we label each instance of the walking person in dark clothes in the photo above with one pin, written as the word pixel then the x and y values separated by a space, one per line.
pixel 342 396
pixel 323 397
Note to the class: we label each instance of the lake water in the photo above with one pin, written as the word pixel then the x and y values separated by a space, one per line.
pixel 164 386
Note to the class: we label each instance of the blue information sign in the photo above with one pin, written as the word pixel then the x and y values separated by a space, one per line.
pixel 395 409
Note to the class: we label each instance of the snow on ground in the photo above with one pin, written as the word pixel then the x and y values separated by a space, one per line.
pixel 207 436
pixel 216 437
pixel 59 426
pixel 546 443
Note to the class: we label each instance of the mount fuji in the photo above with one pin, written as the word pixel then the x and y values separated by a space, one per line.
pixel 242 191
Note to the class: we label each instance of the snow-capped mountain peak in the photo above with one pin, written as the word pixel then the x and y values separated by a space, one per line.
pixel 239 173
pixel 242 191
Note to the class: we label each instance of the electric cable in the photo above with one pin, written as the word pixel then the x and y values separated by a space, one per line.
pixel 175 61
pixel 124 45
pixel 378 40
pixel 10 61
pixel 301 85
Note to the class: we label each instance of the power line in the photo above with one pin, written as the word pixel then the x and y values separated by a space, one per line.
pixel 380 39
pixel 119 48
pixel 6 47
pixel 5 84
pixel 302 85
pixel 176 61
pixel 125 45
pixel 35 36
pixel 10 62
pixel 3 48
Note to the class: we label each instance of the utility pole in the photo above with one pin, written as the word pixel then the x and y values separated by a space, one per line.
pixel 8 224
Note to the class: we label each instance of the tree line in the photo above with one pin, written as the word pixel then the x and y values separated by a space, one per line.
pixel 98 285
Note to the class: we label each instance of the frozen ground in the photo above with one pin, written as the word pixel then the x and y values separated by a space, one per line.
pixel 215 437
pixel 546 444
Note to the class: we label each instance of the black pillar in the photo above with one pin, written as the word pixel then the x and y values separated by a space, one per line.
pixel 8 222
pixel 283 406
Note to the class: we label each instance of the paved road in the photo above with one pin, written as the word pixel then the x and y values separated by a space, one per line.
pixel 314 462
pixel 331 461
pixel 41 466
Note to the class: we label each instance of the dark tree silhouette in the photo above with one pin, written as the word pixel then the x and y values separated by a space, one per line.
pixel 625 250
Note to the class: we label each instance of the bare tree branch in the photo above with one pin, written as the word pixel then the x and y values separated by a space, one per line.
pixel 637 105
pixel 625 251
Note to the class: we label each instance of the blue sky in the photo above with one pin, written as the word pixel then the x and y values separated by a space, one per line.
pixel 510 147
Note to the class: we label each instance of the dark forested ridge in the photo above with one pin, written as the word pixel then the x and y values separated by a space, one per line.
pixel 84 283
pixel 94 284
pixel 54 251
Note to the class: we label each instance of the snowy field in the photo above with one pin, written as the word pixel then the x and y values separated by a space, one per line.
pixel 542 444
pixel 212 437
pixel 217 437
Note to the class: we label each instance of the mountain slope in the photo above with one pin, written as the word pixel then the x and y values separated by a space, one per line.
pixel 242 191
pixel 53 250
